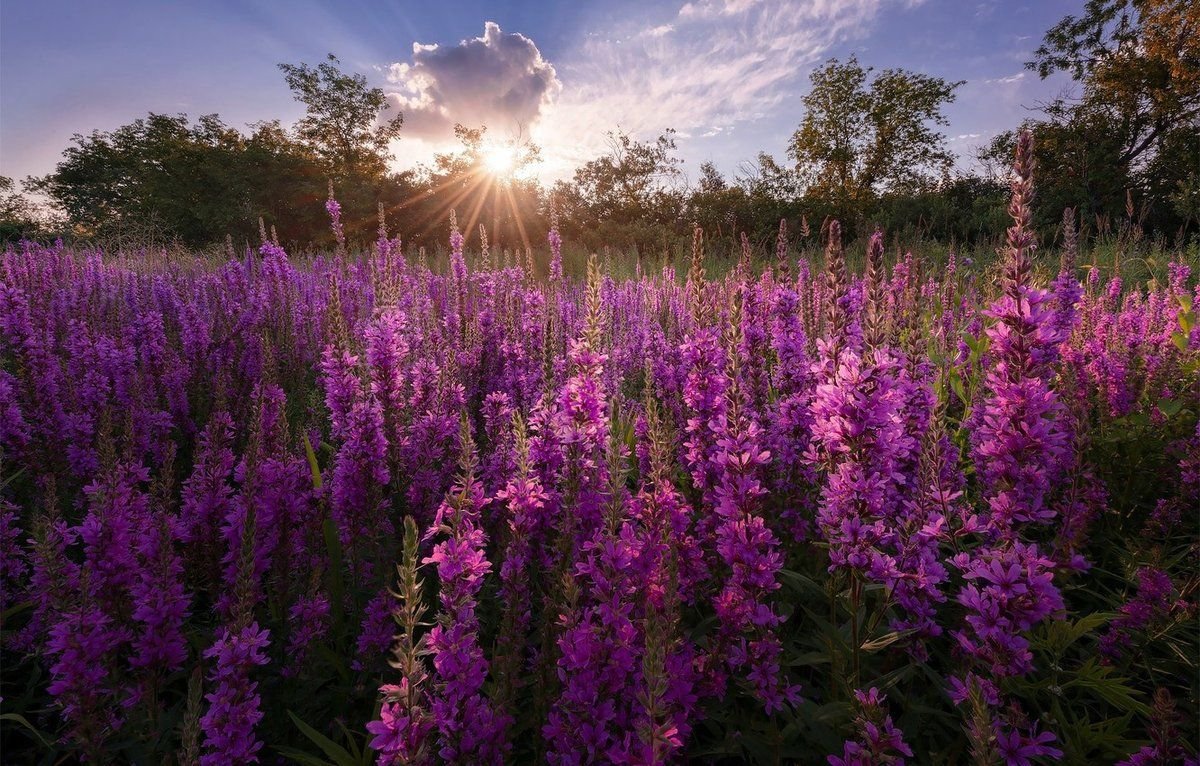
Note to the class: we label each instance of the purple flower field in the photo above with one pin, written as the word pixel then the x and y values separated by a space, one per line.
pixel 348 509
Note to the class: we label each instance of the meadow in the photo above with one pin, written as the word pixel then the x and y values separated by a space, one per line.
pixel 807 506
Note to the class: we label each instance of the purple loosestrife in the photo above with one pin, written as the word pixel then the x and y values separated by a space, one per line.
pixel 360 469
pixel 593 719
pixel 1020 446
pixel 527 525
pixel 468 726
pixel 118 513
pixel 233 706
pixel 880 743
pixel 403 732
pixel 387 352
pixel 1009 590
pixel 42 381
pixel 1067 291
pixel 81 642
pixel 375 632
pixel 748 548
pixel 53 576
pixel 13 565
pixel 1019 449
pixel 704 397
pixel 555 240
pixel 672 563
pixel 15 432
pixel 207 495
pixel 334 209
pixel 308 621
pixel 858 438
pixel 1153 605
pixel 499 463
pixel 581 426
pixel 608 709
pixel 1166 748
pixel 703 358
pixel 161 602
pixel 431 438
pixel 788 422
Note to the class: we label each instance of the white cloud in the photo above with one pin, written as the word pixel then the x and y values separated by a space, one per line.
pixel 499 79
pixel 1009 80
pixel 716 65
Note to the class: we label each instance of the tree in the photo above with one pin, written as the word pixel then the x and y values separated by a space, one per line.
pixel 632 193
pixel 711 181
pixel 20 217
pixel 471 183
pixel 858 139
pixel 765 178
pixel 341 122
pixel 1131 130
pixel 165 178
pixel 1139 61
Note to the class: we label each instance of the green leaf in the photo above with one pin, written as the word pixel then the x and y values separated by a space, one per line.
pixel 24 723
pixel 337 587
pixel 336 752
pixel 299 756
pixel 885 640
pixel 1180 340
pixel 1169 407
pixel 12 478
pixel 1057 636
pixel 312 463
pixel 14 610
pixel 800 582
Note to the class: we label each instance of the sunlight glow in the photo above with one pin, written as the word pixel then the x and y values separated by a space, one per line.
pixel 500 160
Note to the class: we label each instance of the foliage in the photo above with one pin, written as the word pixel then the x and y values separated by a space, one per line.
pixel 340 122
pixel 858 139
pixel 631 190
pixel 1132 129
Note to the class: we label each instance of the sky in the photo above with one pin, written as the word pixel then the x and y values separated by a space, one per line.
pixel 727 75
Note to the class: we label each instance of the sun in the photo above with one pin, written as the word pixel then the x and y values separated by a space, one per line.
pixel 500 160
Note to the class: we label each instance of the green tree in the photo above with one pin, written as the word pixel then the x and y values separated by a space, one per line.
pixel 1131 131
pixel 630 196
pixel 342 122
pixel 20 217
pixel 859 138
pixel 165 178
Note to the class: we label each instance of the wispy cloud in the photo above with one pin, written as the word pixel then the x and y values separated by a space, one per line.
pixel 1010 79
pixel 715 65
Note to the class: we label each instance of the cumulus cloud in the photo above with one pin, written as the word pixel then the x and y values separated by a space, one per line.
pixel 499 79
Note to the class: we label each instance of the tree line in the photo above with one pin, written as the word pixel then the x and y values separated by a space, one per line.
pixel 1124 146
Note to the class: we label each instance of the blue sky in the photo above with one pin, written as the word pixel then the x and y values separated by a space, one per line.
pixel 728 75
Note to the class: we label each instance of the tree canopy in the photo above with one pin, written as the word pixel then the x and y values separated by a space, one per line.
pixel 342 123
pixel 860 138
pixel 1132 129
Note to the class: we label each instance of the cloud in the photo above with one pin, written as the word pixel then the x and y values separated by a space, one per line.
pixel 500 80
pixel 714 65
pixel 1009 80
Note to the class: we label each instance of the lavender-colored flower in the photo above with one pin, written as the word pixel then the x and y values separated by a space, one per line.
pixel 879 741
pixel 233 706
pixel 468 726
